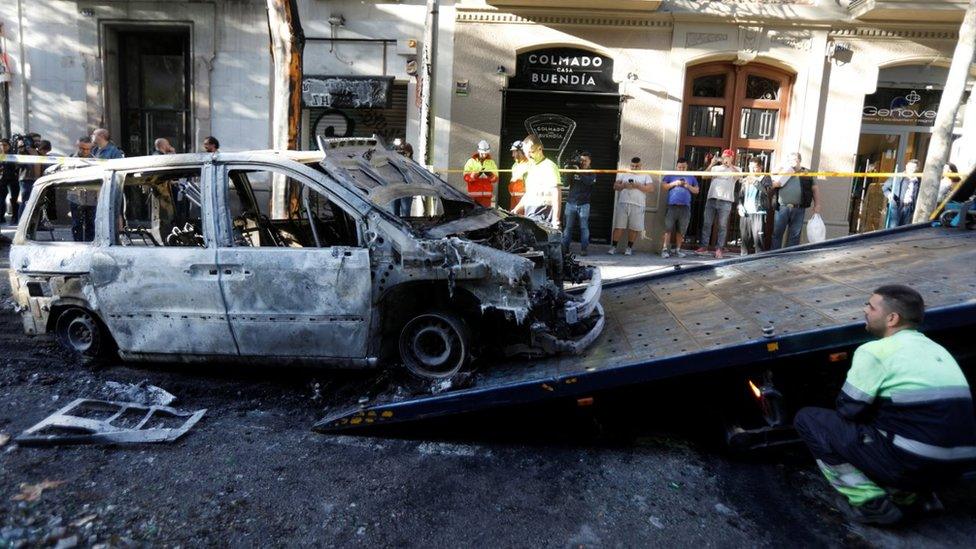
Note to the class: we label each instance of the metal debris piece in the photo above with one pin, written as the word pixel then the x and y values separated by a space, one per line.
pixel 137 393
pixel 86 421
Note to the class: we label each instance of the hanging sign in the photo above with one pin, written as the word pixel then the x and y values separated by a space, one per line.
pixel 901 106
pixel 563 69
pixel 348 92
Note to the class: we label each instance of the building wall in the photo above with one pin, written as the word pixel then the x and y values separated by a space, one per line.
pixel 656 48
pixel 62 84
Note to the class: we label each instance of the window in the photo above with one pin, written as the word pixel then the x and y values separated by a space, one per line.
pixel 160 208
pixel 709 86
pixel 705 121
pixel 758 87
pixel 65 212
pixel 310 218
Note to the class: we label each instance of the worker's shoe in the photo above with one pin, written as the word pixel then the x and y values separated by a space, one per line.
pixel 629 251
pixel 719 254
pixel 916 505
pixel 702 250
pixel 612 250
pixel 881 511
pixel 665 253
pixel 679 253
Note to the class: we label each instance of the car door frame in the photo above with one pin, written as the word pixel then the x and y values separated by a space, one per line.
pixel 155 312
pixel 270 321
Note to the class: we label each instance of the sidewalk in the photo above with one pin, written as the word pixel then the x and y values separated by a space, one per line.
pixel 620 266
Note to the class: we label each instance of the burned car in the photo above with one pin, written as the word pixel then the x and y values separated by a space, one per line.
pixel 350 256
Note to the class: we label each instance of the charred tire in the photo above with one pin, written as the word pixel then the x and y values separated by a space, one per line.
pixel 435 345
pixel 83 333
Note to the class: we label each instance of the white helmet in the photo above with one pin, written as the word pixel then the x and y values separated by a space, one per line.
pixel 483 146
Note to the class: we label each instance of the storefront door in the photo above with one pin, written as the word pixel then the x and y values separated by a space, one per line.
pixel 567 123
pixel 567 97
pixel 154 90
pixel 738 107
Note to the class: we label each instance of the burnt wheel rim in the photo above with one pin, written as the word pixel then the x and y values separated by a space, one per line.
pixel 81 334
pixel 432 346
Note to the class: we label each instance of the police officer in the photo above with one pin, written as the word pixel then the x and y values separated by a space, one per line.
pixel 481 175
pixel 904 421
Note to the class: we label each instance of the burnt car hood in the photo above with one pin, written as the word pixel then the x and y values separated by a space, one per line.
pixel 480 220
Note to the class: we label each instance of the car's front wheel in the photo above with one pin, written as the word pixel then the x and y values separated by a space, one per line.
pixel 435 345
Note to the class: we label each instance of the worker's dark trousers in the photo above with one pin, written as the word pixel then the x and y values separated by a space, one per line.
pixel 854 457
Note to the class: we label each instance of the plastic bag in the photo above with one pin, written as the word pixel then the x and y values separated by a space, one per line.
pixel 816 230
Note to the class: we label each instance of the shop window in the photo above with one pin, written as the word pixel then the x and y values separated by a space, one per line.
pixel 758 87
pixel 65 212
pixel 709 86
pixel 705 121
pixel 758 123
pixel 160 208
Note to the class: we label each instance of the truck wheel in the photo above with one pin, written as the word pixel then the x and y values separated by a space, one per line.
pixel 435 345
pixel 81 332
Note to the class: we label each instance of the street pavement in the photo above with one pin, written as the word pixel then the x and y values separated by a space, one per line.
pixel 252 473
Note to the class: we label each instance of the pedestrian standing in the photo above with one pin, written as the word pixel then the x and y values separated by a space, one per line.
pixel 211 145
pixel 104 147
pixel 948 182
pixel 903 424
pixel 901 192
pixel 753 203
pixel 162 146
pixel 578 204
pixel 9 184
pixel 794 194
pixel 82 200
pixel 481 175
pixel 29 173
pixel 718 207
pixel 520 165
pixel 541 200
pixel 681 189
pixel 632 189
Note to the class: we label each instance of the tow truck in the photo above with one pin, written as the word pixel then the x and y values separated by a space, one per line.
pixel 792 314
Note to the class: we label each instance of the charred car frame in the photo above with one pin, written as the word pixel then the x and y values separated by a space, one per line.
pixel 361 258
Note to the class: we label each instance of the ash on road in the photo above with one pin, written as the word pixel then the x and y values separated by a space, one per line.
pixel 252 473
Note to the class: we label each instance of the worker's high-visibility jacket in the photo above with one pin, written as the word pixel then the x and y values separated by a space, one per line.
pixel 517 186
pixel 481 174
pixel 912 390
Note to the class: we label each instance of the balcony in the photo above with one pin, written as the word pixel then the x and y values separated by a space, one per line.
pixel 592 5
pixel 931 11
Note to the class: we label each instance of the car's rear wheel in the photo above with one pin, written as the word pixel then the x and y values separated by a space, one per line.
pixel 80 331
pixel 435 345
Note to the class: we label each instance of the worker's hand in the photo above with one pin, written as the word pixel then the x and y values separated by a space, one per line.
pixel 741 210
pixel 816 209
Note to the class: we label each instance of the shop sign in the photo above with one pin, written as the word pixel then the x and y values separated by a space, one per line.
pixel 461 88
pixel 554 130
pixel 901 106
pixel 563 69
pixel 348 92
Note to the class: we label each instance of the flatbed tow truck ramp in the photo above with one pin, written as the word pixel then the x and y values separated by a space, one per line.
pixel 709 318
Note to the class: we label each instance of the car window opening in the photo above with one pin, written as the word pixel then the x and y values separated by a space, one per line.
pixel 65 212
pixel 160 208
pixel 310 219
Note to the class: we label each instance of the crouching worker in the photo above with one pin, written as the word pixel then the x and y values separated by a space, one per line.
pixel 904 421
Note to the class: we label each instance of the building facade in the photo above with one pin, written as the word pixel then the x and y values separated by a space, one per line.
pixel 188 69
pixel 850 85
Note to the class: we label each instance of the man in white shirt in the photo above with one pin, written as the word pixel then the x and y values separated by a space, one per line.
pixel 632 189
pixel 721 195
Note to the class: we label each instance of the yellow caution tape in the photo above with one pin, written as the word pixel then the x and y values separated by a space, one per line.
pixel 75 161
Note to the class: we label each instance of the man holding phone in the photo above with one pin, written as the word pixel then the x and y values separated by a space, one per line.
pixel 632 189
pixel 680 190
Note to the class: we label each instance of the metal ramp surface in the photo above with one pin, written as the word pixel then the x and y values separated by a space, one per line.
pixel 729 313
